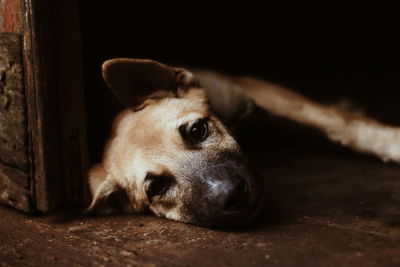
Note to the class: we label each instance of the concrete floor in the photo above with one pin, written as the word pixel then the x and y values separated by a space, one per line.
pixel 323 208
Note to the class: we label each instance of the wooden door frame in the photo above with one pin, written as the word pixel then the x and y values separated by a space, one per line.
pixel 53 81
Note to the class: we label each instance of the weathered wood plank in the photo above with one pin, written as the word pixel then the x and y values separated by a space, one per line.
pixel 53 82
pixel 10 16
pixel 39 72
pixel 14 148
pixel 42 126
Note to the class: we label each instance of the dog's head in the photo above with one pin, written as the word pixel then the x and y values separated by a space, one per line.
pixel 169 153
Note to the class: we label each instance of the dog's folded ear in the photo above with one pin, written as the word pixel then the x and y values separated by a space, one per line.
pixel 133 79
pixel 108 196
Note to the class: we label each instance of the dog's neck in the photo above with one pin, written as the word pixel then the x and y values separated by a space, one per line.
pixel 226 98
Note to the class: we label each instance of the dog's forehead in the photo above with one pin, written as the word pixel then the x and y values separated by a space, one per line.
pixel 151 134
pixel 176 109
pixel 156 121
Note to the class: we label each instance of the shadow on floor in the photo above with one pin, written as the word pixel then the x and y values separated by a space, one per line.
pixel 325 208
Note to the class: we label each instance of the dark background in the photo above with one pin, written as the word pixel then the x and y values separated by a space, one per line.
pixel 324 52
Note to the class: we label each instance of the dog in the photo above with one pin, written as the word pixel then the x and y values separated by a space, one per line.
pixel 171 152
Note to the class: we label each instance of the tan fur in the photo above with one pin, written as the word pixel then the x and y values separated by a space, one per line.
pixel 146 139
pixel 97 175
pixel 355 131
pixel 351 129
pixel 141 139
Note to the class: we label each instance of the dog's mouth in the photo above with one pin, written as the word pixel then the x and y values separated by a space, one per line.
pixel 256 207
pixel 231 219
pixel 224 193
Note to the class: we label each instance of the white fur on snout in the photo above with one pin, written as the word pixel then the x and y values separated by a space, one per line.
pixel 213 184
pixel 219 190
pixel 220 186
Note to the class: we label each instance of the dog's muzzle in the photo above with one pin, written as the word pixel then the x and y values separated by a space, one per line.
pixel 231 195
pixel 227 195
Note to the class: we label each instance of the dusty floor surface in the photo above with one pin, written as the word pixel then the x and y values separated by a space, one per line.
pixel 323 208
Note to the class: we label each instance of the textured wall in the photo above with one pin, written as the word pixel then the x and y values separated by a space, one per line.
pixel 15 187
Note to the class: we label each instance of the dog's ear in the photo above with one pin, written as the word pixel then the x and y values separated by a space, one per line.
pixel 108 196
pixel 133 79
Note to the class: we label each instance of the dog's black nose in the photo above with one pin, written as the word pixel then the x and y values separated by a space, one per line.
pixel 232 196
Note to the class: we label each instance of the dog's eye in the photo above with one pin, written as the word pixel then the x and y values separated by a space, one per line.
pixel 158 185
pixel 199 130
pixel 195 133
